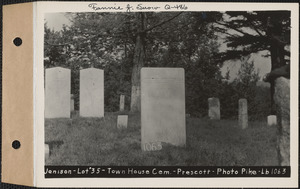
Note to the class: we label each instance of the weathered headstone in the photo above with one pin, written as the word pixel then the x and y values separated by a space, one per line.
pixel 272 120
pixel 282 101
pixel 162 107
pixel 72 103
pixel 91 93
pixel 243 113
pixel 47 151
pixel 57 92
pixel 122 121
pixel 122 102
pixel 214 108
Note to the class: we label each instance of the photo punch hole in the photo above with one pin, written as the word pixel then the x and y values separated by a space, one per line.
pixel 17 41
pixel 16 144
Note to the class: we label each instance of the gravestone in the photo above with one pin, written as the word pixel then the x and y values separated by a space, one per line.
pixel 91 93
pixel 162 107
pixel 47 151
pixel 57 92
pixel 72 103
pixel 122 121
pixel 214 108
pixel 282 101
pixel 122 102
pixel 243 113
pixel 272 120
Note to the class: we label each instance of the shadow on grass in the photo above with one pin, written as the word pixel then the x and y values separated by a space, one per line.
pixel 97 141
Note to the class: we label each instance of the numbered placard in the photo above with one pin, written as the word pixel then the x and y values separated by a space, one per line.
pixel 152 146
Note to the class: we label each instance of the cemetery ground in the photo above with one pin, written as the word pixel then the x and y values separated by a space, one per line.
pixel 97 141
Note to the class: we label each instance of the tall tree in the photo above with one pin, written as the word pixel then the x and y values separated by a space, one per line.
pixel 54 51
pixel 251 32
pixel 103 34
pixel 111 40
pixel 143 28
pixel 138 62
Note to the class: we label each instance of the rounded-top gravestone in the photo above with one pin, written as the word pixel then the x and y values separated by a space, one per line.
pixel 57 92
pixel 91 93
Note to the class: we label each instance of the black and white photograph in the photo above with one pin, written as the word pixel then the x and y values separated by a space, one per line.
pixel 167 88
pixel 150 94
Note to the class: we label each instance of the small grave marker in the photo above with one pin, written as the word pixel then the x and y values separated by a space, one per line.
pixel 272 120
pixel 47 151
pixel 122 121
pixel 214 108
pixel 243 113
pixel 122 102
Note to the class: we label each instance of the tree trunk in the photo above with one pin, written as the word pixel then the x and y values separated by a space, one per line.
pixel 138 62
pixel 277 60
pixel 282 101
pixel 277 54
pixel 276 51
pixel 280 95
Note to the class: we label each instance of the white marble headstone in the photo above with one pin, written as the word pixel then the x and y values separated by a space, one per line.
pixel 162 107
pixel 122 102
pixel 57 92
pixel 243 113
pixel 91 93
pixel 47 151
pixel 272 120
pixel 122 121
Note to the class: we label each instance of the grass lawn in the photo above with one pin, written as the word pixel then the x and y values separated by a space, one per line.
pixel 95 141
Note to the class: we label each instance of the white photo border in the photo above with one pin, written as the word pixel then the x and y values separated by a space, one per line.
pixel 50 7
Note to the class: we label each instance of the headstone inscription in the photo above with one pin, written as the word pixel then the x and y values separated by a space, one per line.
pixel 243 113
pixel 91 93
pixel 162 107
pixel 57 92
pixel 214 108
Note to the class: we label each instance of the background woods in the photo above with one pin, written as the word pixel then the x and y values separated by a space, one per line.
pixel 122 43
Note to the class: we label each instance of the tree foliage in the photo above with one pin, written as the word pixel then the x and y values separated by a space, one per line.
pixel 254 31
pixel 122 43
pixel 245 85
pixel 111 42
